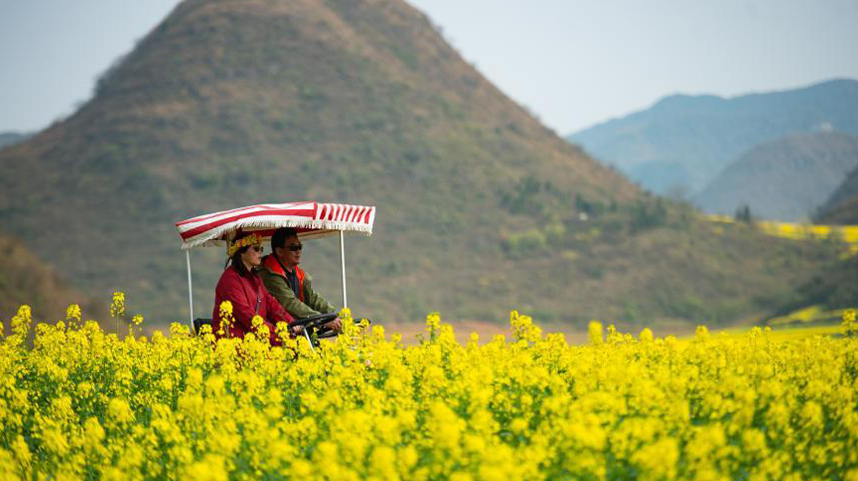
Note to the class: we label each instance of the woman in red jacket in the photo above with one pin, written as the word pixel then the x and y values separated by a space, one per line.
pixel 241 285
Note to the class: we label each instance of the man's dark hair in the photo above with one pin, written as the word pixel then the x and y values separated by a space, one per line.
pixel 280 236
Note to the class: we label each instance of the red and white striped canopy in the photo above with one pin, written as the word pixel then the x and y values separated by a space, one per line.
pixel 310 219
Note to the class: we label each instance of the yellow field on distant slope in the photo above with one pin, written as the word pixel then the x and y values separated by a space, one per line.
pixel 789 230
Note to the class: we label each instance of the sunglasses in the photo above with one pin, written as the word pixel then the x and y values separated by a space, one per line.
pixel 295 247
pixel 257 248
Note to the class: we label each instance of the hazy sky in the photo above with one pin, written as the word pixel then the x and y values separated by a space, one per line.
pixel 572 62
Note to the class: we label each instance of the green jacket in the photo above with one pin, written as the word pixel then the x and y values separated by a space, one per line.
pixel 313 304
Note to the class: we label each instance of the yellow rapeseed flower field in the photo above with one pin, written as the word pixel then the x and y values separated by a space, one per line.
pixel 799 231
pixel 76 403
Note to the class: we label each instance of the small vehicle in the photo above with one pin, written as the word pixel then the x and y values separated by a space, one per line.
pixel 309 219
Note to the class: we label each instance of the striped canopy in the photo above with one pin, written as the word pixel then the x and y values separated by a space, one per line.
pixel 310 219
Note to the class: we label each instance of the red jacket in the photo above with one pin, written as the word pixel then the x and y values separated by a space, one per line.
pixel 249 297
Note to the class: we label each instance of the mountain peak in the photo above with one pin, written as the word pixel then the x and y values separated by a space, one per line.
pixel 682 101
pixel 236 102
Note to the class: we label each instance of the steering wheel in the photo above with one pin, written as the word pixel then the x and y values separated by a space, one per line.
pixel 314 322
pixel 318 322
pixel 325 332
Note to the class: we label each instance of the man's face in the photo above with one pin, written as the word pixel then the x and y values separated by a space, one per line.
pixel 290 253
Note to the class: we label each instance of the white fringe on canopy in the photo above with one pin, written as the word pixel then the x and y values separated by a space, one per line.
pixel 310 219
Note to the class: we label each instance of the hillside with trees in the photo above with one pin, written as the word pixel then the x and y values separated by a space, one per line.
pixel 27 279
pixel 842 207
pixel 481 209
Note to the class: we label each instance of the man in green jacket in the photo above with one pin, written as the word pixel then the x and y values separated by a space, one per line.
pixel 290 284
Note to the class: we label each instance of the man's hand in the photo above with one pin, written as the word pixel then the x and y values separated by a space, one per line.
pixel 336 325
pixel 296 330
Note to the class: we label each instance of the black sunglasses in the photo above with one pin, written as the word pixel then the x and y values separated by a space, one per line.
pixel 295 247
pixel 257 248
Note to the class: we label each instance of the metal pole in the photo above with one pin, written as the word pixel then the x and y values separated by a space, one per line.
pixel 190 289
pixel 309 341
pixel 343 265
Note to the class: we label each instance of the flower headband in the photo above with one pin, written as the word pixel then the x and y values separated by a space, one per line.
pixel 251 240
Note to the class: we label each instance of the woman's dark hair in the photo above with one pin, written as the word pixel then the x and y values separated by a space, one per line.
pixel 280 236
pixel 235 260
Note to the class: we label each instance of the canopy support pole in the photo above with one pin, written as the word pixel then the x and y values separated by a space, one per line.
pixel 309 341
pixel 343 265
pixel 190 289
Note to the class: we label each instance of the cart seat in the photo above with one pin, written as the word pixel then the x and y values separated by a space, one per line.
pixel 200 322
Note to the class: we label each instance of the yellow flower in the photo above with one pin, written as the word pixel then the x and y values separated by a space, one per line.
pixel 117 306
pixel 55 442
pixel 73 313
pixel 433 324
pixel 595 330
pixel 849 325
pixel 21 452
pixel 225 309
pixel 119 412
pixel 78 403
pixel 210 468
pixel 382 463
pixel 21 321
pixel 658 460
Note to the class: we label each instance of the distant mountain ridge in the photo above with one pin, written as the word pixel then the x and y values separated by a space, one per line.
pixel 784 179
pixel 682 142
pixel 9 138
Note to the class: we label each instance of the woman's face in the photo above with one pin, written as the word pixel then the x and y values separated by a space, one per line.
pixel 252 256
